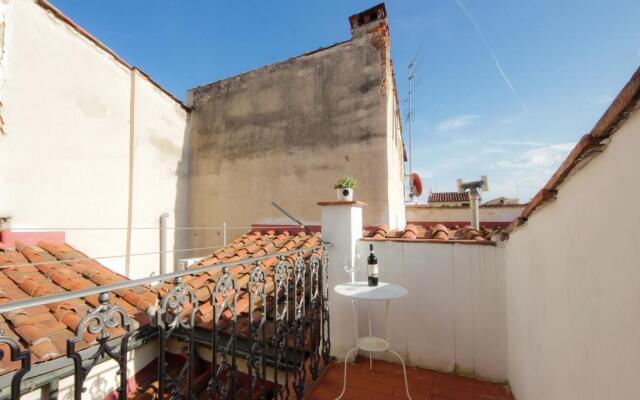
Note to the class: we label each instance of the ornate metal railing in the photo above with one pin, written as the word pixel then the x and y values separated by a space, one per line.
pixel 293 296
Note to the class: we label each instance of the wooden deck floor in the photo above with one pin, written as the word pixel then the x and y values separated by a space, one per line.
pixel 385 382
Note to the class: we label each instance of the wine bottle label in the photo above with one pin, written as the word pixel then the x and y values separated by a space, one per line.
pixel 373 270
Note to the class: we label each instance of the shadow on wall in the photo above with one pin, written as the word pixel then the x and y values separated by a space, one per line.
pixel 98 385
pixel 183 238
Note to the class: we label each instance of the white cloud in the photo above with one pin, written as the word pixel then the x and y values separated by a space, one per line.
pixel 456 123
pixel 493 150
pixel 517 143
pixel 523 174
pixel 537 160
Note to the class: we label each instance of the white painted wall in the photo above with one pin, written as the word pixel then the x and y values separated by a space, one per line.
pixel 573 284
pixel 454 317
pixel 458 214
pixel 64 160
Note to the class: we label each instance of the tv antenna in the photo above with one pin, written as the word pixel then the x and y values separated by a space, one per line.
pixel 414 66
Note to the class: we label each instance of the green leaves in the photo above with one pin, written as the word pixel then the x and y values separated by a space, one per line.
pixel 346 182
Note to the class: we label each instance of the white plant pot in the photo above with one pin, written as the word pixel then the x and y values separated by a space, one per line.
pixel 345 194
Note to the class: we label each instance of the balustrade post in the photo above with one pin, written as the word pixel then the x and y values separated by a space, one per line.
pixel 100 321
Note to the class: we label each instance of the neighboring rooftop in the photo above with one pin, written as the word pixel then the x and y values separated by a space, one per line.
pixel 252 244
pixel 35 271
pixel 448 197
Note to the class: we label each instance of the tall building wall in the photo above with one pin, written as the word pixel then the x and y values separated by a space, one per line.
pixel 286 132
pixel 87 140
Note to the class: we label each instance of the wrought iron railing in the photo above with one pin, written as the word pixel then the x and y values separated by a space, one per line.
pixel 298 345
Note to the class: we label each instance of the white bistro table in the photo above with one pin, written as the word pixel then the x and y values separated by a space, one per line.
pixel 383 292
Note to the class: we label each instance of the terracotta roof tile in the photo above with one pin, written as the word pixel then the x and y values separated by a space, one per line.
pixel 433 233
pixel 448 197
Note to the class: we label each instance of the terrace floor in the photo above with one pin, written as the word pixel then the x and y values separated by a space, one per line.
pixel 385 382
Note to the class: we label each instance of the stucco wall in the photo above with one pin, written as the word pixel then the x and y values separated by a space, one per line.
pixel 65 156
pixel 573 284
pixel 286 133
pixel 453 319
pixel 462 214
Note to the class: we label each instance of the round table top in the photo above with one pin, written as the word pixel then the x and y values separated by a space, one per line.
pixel 362 291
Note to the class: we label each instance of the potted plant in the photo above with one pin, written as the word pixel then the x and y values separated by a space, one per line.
pixel 345 187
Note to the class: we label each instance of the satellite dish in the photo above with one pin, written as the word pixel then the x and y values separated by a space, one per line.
pixel 416 185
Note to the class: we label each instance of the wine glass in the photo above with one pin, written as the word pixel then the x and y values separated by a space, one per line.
pixel 352 268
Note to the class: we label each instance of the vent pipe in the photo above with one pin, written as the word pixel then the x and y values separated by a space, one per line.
pixel 474 195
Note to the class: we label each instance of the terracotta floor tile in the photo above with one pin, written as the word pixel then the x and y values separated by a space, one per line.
pixel 386 382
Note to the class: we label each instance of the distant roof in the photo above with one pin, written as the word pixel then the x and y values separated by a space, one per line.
pixel 445 197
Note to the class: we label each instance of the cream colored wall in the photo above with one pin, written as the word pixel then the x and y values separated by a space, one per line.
pixel 64 158
pixel 395 159
pixel 458 214
pixel 160 181
pixel 573 284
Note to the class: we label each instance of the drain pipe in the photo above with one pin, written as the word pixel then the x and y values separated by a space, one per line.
pixel 224 233
pixel 163 243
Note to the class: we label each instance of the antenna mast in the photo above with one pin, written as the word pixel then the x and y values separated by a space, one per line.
pixel 412 73
pixel 410 116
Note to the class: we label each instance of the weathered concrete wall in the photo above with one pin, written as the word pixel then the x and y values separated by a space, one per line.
pixel 422 213
pixel 288 131
pixel 78 125
pixel 573 283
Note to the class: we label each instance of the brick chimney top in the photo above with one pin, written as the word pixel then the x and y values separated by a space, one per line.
pixel 375 13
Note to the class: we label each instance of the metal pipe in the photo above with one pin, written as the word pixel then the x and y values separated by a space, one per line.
pixel 474 196
pixel 224 233
pixel 54 298
pixel 164 268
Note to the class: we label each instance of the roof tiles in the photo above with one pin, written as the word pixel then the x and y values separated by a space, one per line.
pixel 45 329
pixel 448 197
pixel 432 233
pixel 34 271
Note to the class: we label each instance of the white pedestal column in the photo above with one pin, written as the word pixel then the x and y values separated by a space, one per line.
pixel 342 226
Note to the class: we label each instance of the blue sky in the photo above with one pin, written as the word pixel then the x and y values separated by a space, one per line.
pixel 507 87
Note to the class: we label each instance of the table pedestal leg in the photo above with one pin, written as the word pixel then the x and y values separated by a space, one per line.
pixel 370 334
pixel 344 382
pixel 404 372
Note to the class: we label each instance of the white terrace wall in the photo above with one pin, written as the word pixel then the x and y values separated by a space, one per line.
pixel 79 125
pixel 573 284
pixel 453 319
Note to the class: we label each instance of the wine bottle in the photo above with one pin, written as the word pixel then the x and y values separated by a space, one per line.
pixel 372 267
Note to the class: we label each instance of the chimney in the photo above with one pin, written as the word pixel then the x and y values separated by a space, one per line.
pixel 363 20
pixel 473 188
